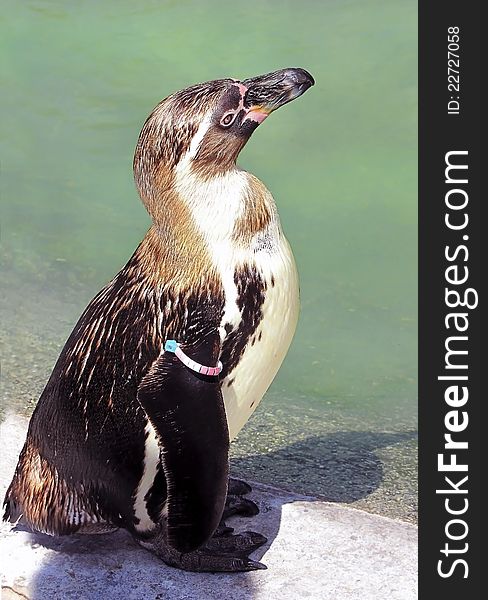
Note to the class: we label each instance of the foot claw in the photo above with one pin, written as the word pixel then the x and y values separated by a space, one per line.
pixel 236 487
pixel 214 563
pixel 236 505
pixel 256 565
pixel 223 529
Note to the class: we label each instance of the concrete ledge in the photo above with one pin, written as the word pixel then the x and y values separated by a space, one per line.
pixel 315 550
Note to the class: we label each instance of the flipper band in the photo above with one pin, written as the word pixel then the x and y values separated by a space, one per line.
pixel 173 346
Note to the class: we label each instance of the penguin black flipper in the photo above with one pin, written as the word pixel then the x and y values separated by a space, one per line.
pixel 187 412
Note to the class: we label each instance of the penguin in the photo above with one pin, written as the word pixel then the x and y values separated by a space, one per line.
pixel 171 357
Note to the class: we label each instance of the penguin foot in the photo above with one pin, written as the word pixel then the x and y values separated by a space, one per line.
pixel 202 561
pixel 237 487
pixel 230 557
pixel 241 544
pixel 223 529
pixel 237 505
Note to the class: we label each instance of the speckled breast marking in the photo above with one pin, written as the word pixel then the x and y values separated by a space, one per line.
pixel 253 353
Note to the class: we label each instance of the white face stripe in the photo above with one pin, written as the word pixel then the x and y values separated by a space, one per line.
pixel 205 126
pixel 242 90
pixel 235 111
pixel 196 140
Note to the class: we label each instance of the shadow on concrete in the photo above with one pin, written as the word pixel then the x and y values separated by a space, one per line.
pixel 338 467
pixel 113 566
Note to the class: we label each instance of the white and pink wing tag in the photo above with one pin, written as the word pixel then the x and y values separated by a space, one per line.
pixel 173 346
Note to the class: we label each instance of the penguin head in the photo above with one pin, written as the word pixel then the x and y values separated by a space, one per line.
pixel 204 127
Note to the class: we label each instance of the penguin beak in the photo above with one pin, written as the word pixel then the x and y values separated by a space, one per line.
pixel 266 93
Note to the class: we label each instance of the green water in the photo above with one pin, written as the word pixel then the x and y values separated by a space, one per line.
pixel 78 80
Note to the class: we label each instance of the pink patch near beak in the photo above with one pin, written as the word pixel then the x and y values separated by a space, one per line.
pixel 256 114
pixel 242 89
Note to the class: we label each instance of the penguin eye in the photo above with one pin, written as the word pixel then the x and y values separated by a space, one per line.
pixel 228 119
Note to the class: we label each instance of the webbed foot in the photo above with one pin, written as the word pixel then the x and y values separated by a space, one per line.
pixel 241 544
pixel 227 554
pixel 237 487
pixel 235 504
pixel 203 561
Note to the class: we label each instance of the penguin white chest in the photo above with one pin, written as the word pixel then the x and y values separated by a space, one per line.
pixel 255 332
pixel 272 319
